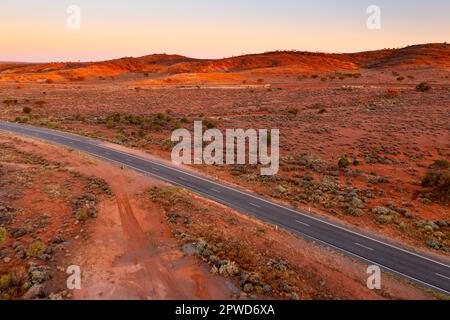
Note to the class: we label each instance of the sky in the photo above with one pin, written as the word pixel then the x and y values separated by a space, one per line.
pixel 37 31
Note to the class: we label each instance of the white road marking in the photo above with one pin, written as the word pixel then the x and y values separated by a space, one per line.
pixel 440 275
pixel 255 205
pixel 215 190
pixel 156 169
pixel 182 178
pixel 363 246
pixel 305 224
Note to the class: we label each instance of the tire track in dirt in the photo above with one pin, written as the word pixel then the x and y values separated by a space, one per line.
pixel 152 277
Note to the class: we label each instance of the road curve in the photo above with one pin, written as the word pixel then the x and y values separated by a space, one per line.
pixel 424 270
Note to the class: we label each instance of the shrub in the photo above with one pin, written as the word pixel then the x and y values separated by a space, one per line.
pixel 26 110
pixel 167 144
pixel 184 120
pixel 209 124
pixel 35 249
pixel 293 111
pixel 3 235
pixel 423 87
pixel 400 78
pixel 110 124
pixel 440 164
pixel 21 120
pixel 438 180
pixel 5 281
pixel 134 119
pixel 343 162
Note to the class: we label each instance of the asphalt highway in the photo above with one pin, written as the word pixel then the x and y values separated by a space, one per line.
pixel 417 267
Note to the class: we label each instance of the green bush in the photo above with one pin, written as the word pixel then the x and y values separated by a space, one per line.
pixel 167 144
pixel 438 180
pixel 26 110
pixel 35 249
pixel 3 235
pixel 343 162
pixel 5 281
pixel 440 164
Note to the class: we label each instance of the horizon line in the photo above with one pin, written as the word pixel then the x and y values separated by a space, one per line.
pixel 225 57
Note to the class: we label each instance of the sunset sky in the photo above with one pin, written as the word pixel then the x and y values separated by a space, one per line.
pixel 37 31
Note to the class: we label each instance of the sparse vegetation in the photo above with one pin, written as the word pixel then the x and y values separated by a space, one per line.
pixel 10 102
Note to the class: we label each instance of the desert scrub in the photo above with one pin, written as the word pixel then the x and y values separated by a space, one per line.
pixel 437 178
pixel 98 186
pixel 21 120
pixel 26 110
pixel 5 281
pixel 423 87
pixel 3 235
pixel 343 162
pixel 209 124
pixel 170 197
pixel 36 249
pixel 167 144
pixel 12 155
pixel 10 102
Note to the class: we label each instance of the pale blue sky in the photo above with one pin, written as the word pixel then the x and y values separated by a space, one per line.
pixel 36 30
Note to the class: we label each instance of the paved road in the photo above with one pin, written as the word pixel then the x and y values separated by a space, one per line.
pixel 417 267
